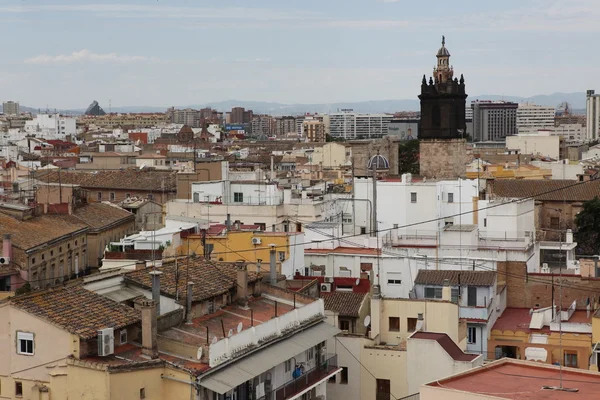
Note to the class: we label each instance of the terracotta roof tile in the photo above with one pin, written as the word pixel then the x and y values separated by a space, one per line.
pixel 466 278
pixel 77 310
pixel 39 230
pixel 547 190
pixel 347 304
pixel 132 178
pixel 210 278
pixel 99 215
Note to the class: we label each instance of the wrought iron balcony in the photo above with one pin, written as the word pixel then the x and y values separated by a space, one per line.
pixel 307 379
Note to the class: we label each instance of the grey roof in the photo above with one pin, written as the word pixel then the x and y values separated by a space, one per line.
pixel 379 162
pixel 466 278
pixel 443 52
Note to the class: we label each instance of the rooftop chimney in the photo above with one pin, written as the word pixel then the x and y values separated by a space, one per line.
pixel 228 222
pixel 149 340
pixel 140 265
pixel 446 291
pixel 242 283
pixel 273 269
pixel 420 322
pixel 189 315
pixel 156 289
pixel 7 246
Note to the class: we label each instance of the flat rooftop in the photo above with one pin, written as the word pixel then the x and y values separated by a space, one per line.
pixel 518 319
pixel 515 379
pixel 259 311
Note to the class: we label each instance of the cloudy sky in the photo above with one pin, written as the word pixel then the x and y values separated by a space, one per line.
pixel 178 52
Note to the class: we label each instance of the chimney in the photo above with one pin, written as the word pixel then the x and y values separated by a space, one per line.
pixel 420 322
pixel 140 265
pixel 189 315
pixel 7 246
pixel 273 269
pixel 242 283
pixel 446 291
pixel 569 238
pixel 156 289
pixel 228 222
pixel 149 340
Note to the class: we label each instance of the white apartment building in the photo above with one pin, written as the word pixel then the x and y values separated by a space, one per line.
pixel 51 126
pixel 11 108
pixel 351 125
pixel 533 116
pixel 541 143
pixel 592 115
pixel 493 120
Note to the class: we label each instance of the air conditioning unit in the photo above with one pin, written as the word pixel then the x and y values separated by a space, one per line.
pixel 4 260
pixel 329 279
pixel 256 240
pixel 326 287
pixel 106 342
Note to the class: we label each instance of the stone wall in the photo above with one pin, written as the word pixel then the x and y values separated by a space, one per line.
pixel 444 158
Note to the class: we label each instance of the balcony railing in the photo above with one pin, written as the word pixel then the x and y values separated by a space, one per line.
pixel 307 379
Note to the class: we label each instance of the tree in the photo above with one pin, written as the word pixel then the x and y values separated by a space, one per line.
pixel 408 157
pixel 588 228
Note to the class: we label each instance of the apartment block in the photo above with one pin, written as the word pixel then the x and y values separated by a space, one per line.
pixel 592 115
pixel 350 125
pixel 494 120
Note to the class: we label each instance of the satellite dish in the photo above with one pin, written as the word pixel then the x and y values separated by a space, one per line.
pixel 214 340
pixel 240 327
pixel 199 353
pixel 367 320
pixel 143 166
pixel 357 281
pixel 230 333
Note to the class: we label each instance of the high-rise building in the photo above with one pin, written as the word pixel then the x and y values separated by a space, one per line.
pixel 263 125
pixel 494 120
pixel 350 125
pixel 285 125
pixel 11 108
pixel 188 116
pixel 534 117
pixel 314 130
pixel 94 109
pixel 593 115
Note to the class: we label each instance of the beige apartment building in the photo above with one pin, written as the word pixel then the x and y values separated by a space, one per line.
pixel 131 121
pixel 314 130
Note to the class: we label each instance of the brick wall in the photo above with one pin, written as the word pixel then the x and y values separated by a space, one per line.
pixel 535 290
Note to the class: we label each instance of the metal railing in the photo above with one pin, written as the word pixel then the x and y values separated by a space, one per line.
pixel 307 379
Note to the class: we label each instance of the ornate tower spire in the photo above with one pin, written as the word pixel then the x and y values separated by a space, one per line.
pixel 443 72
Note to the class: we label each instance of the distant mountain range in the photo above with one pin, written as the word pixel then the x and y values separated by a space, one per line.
pixel 576 101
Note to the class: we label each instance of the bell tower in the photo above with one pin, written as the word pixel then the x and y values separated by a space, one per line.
pixel 443 72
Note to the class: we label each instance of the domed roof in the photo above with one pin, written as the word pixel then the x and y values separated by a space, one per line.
pixel 379 162
pixel 443 51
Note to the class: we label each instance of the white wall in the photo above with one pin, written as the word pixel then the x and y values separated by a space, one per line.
pixel 561 170
pixel 544 145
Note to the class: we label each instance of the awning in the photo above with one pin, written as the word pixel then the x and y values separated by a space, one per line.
pixel 253 365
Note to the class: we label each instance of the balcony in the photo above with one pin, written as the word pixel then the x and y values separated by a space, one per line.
pixel 308 380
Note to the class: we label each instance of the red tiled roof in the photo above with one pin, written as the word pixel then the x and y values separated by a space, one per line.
pixel 99 215
pixel 347 304
pixel 132 179
pixel 547 190
pixel 447 344
pixel 466 278
pixel 77 310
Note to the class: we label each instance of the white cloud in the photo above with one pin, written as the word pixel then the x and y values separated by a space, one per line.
pixel 86 55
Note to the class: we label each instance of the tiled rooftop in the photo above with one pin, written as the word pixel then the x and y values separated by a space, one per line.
pixel 132 179
pixel 77 310
pixel 39 230
pixel 99 215
pixel 260 310
pixel 211 278
pixel 347 304
pixel 466 278
pixel 547 190
pixel 518 319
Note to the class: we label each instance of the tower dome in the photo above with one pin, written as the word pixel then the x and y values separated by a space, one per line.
pixel 378 162
pixel 443 51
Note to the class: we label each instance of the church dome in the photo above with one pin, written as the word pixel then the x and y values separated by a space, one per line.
pixel 379 162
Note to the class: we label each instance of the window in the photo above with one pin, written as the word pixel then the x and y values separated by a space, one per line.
pixel 433 293
pixel 25 343
pixel 472 335
pixel 288 365
pixel 345 325
pixel 331 379
pixel 394 281
pixel 281 255
pixel 472 296
pixel 310 354
pixel 127 195
pixel 33 260
pixel 413 197
pixel 554 223
pixel 570 359
pixel 395 226
pixel 123 336
pixel 238 197
pixel 142 393
pixel 18 389
pixel 363 230
pixel 112 196
pixel 411 324
pixel 450 197
pixel 150 197
pixel 99 196
pixel 394 324
pixel 454 295
pixel 344 376
pixel 485 222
